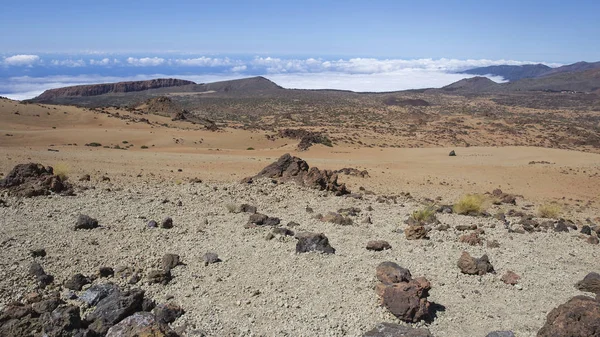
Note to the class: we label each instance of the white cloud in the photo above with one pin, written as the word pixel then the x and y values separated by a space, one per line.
pixel 21 60
pixel 104 62
pixel 68 63
pixel 205 62
pixel 238 69
pixel 145 61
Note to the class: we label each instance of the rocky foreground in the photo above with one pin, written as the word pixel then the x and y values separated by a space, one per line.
pixel 281 254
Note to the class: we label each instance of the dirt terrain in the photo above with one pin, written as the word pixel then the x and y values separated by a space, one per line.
pixel 144 166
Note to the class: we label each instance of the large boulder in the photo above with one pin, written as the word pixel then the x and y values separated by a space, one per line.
pixel 579 317
pixel 30 180
pixel 590 283
pixel 115 307
pixel 288 168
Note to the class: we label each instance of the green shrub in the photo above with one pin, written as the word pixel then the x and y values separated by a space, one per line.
pixel 550 211
pixel 93 144
pixel 423 215
pixel 143 147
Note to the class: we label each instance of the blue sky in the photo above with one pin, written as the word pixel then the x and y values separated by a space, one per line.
pixel 354 45
pixel 552 31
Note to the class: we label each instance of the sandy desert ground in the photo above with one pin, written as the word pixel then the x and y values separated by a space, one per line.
pixel 262 287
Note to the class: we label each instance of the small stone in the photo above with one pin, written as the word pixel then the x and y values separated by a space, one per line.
pixel 269 236
pixel 452 153
pixel 415 232
pixel 510 277
pixel 170 261
pixel 152 224
pixel 390 272
pixel 593 240
pixel 106 272
pixel 159 276
pixel 472 239
pixel 500 334
pixel 77 281
pixel 210 258
pixel 471 266
pixel 85 222
pixel 41 252
pixel 168 312
pixel 396 330
pixel 167 223
pixel 378 245
pixel 308 242
pixel 587 230
pixel 518 287
pixel 282 231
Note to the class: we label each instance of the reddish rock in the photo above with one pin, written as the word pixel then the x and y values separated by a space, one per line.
pixel 30 180
pixel 378 245
pixel 473 266
pixel 579 317
pixel 415 232
pixel 593 240
pixel 472 239
pixel 141 324
pixel 510 277
pixel 408 300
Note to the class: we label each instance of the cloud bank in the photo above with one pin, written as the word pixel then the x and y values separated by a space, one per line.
pixel 25 76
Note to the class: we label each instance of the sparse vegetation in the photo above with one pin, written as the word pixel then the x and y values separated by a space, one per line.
pixel 470 204
pixel 125 142
pixel 423 215
pixel 143 147
pixel 61 170
pixel 93 144
pixel 250 148
pixel 551 211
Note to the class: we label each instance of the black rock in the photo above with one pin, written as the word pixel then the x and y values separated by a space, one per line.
pixel 308 242
pixel 106 272
pixel 113 308
pixel 500 334
pixel 167 223
pixel 152 224
pixel 61 320
pixel 76 282
pixel 98 292
pixel 283 231
pixel 272 221
pixel 38 252
pixel 452 153
pixel 168 312
pixel 85 222
pixel 587 230
pixel 248 208
pixel 36 270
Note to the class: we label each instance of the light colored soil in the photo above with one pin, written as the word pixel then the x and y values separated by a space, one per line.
pixel 300 294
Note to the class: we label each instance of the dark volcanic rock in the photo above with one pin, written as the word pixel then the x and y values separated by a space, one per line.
pixel 168 312
pixel 579 317
pixel 288 168
pixel 308 242
pixel 113 308
pixel 76 282
pixel 452 153
pixel 62 321
pixel 473 266
pixel 159 276
pixel 98 292
pixel 396 330
pixel 248 208
pixel 85 222
pixel 590 283
pixel 38 252
pixel 500 334
pixel 167 223
pixel 30 180
pixel 378 245
pixel 141 324
pixel 390 272
pixel 283 231
pixel 337 219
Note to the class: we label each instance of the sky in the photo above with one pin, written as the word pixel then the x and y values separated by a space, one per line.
pixel 356 45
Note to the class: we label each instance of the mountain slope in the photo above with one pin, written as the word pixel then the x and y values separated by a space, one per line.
pixel 473 84
pixel 101 89
pixel 511 73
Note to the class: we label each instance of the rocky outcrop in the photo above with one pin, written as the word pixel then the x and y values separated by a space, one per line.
pixel 30 180
pixel 307 138
pixel 313 242
pixel 288 168
pixel 590 283
pixel 101 89
pixel 579 317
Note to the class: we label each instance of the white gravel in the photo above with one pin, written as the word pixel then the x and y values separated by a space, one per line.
pixel 263 288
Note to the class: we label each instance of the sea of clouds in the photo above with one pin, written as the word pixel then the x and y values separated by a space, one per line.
pixel 24 76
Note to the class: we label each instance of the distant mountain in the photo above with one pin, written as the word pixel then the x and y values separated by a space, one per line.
pixel 257 83
pixel 101 89
pixel 511 73
pixel 515 73
pixel 587 81
pixel 575 67
pixel 473 84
